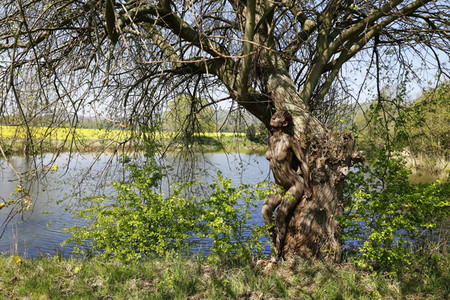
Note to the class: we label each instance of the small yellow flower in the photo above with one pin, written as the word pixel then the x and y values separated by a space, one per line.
pixel 16 259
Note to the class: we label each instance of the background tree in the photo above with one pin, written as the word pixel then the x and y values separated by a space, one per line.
pixel 257 133
pixel 187 116
pixel 418 127
pixel 125 59
pixel 430 132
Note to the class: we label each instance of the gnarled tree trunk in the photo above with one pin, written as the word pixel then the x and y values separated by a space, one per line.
pixel 313 230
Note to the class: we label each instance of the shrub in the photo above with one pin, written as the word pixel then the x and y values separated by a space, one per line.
pixel 385 213
pixel 226 214
pixel 137 221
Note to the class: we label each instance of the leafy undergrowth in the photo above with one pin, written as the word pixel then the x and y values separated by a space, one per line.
pixel 196 278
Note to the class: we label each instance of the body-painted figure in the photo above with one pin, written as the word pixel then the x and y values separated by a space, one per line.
pixel 290 171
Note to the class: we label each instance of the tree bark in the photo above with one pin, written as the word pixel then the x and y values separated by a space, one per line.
pixel 313 230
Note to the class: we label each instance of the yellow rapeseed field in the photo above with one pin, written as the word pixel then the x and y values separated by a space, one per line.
pixel 46 133
pixel 9 132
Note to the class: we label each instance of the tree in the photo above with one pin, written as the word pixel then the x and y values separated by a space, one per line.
pixel 187 115
pixel 257 133
pixel 430 133
pixel 126 58
pixel 418 127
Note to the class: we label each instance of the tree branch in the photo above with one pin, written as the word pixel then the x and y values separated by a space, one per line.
pixel 352 42
pixel 247 48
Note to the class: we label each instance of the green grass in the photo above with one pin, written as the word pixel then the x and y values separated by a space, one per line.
pixel 194 278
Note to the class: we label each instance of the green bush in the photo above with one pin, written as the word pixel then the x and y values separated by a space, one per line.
pixel 225 219
pixel 385 213
pixel 136 221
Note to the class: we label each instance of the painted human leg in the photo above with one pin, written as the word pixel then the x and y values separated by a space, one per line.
pixel 269 206
pixel 285 209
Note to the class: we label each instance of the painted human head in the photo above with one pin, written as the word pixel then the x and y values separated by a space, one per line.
pixel 281 118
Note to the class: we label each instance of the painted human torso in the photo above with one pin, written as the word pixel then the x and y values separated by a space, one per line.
pixel 280 156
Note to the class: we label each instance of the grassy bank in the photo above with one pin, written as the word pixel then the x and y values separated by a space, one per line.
pixel 180 278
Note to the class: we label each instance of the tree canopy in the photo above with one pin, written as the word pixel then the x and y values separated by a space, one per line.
pixel 73 57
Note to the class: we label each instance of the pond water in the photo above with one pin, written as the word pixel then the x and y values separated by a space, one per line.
pixel 38 231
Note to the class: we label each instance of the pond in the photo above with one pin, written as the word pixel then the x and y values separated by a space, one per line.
pixel 38 231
